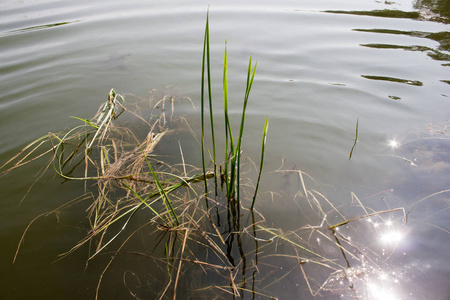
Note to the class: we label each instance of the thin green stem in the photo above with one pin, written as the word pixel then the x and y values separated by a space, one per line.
pixel 167 202
pixel 211 113
pixel 266 126
pixel 202 97
pixel 250 77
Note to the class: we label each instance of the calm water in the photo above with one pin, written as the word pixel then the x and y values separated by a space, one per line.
pixel 318 73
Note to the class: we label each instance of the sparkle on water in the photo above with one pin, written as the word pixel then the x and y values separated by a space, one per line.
pixel 378 281
pixel 393 144
pixel 380 292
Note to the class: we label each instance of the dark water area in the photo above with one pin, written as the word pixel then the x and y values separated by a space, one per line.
pixel 323 67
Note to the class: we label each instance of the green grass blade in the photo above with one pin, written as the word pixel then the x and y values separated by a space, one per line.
pixel 232 184
pixel 59 147
pixel 202 99
pixel 167 202
pixel 211 113
pixel 88 122
pixel 146 203
pixel 250 77
pixel 266 126
pixel 225 101
pixel 229 143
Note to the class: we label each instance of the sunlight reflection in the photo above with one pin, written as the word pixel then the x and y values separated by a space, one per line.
pixel 391 237
pixel 378 292
pixel 383 276
pixel 394 144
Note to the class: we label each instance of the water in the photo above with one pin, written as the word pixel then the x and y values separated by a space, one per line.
pixel 318 73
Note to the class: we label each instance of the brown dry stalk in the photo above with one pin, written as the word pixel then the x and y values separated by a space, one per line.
pixel 369 215
pixel 179 265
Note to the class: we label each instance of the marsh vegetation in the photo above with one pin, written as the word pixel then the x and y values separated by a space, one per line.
pixel 197 229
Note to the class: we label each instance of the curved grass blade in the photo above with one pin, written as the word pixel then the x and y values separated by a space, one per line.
pixel 36 144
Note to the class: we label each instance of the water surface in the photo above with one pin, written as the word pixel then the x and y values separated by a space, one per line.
pixel 322 65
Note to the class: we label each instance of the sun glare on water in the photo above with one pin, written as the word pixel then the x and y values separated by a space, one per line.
pixel 391 237
pixel 378 292
pixel 393 144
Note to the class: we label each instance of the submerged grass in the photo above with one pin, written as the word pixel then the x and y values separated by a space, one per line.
pixel 194 234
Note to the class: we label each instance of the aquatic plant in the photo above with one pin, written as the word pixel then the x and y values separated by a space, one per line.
pixel 230 171
pixel 192 232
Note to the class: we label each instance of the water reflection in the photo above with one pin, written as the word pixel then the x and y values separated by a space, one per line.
pixel 440 52
pixel 391 237
pixel 430 10
pixel 377 292
pixel 385 13
pixel 45 26
pixel 443 38
pixel 437 10
pixel 371 273
pixel 394 144
pixel 393 79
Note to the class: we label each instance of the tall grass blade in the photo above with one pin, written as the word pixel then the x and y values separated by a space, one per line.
pixel 206 62
pixel 202 99
pixel 211 113
pixel 225 111
pixel 229 143
pixel 250 77
pixel 266 126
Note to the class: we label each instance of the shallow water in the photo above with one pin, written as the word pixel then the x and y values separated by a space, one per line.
pixel 318 73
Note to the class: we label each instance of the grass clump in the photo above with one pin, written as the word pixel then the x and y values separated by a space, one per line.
pixel 119 163
pixel 230 172
pixel 128 178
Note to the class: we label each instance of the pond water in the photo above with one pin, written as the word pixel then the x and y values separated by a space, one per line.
pixel 323 67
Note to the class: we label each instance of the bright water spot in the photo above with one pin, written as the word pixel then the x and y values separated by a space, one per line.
pixel 318 73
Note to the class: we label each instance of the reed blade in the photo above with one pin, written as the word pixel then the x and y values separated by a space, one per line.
pixel 266 127
pixel 229 142
pixel 211 112
pixel 250 77
pixel 202 99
